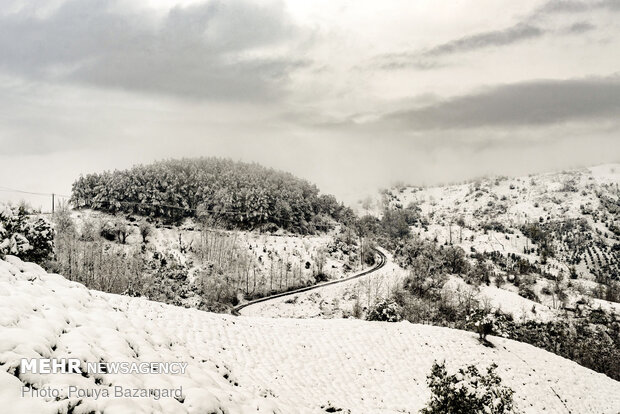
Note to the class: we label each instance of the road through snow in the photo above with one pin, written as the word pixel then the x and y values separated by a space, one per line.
pixel 382 261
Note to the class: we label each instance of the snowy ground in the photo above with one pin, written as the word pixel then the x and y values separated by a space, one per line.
pixel 247 364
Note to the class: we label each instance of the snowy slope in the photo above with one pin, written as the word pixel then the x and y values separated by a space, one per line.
pixel 245 364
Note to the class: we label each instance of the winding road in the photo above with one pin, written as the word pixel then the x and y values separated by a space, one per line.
pixel 380 263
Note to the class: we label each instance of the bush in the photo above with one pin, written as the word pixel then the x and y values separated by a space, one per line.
pixel 29 239
pixel 387 311
pixel 486 323
pixel 89 230
pixel 467 392
pixel 115 231
pixel 357 310
pixel 145 231
pixel 528 293
pixel 108 231
pixel 479 273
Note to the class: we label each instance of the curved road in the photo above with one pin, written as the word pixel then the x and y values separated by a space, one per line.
pixel 377 266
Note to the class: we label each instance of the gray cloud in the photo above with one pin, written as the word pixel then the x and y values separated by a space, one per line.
pixel 528 29
pixel 514 34
pixel 574 6
pixel 427 59
pixel 203 51
pixel 532 103
pixel 579 27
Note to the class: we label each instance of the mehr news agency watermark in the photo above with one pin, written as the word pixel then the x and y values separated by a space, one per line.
pixel 75 366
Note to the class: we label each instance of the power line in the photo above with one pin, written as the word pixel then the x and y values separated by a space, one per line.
pixel 12 190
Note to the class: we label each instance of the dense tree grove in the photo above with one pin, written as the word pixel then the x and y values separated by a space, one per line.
pixel 233 194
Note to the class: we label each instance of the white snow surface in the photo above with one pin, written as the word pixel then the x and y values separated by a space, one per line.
pixel 256 365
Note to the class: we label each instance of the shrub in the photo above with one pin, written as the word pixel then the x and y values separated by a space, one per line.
pixel 115 231
pixel 345 241
pixel 528 293
pixel 479 273
pixel 122 231
pixel 387 311
pixel 486 323
pixel 145 231
pixel 357 310
pixel 29 239
pixel 467 391
pixel 108 231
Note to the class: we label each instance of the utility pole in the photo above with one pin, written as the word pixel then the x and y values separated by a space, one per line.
pixel 53 203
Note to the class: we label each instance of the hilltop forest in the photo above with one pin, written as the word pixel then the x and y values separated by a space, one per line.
pixel 233 194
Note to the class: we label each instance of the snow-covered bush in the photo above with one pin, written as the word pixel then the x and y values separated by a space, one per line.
pixel 487 323
pixel 29 239
pixel 387 311
pixel 468 391
pixel 344 242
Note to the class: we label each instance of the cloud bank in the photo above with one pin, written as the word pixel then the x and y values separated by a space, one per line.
pixel 213 50
pixel 532 103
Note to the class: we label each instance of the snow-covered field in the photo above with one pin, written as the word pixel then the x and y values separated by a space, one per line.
pixel 248 364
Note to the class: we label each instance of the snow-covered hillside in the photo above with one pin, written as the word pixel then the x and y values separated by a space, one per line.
pixel 489 206
pixel 502 220
pixel 245 364
pixel 193 264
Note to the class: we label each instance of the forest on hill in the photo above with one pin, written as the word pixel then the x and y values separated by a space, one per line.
pixel 232 194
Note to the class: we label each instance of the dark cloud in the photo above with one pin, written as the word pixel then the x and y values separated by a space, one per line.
pixel 574 6
pixel 528 29
pixel 511 35
pixel 395 61
pixel 579 27
pixel 427 59
pixel 204 51
pixel 533 103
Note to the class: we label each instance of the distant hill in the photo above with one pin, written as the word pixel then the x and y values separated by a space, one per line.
pixel 235 194
pixel 566 225
pixel 578 211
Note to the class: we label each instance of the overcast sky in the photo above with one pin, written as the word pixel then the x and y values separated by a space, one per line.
pixel 351 95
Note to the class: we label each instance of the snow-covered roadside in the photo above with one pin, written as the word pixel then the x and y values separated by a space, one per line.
pixel 334 301
pixel 246 364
